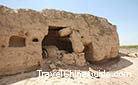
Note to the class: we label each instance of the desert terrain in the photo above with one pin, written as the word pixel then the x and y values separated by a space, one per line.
pixel 126 63
pixel 55 47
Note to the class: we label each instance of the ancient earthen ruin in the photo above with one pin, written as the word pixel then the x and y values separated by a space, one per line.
pixel 27 37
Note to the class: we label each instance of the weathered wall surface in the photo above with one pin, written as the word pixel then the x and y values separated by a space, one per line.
pixel 93 38
pixel 97 34
pixel 27 24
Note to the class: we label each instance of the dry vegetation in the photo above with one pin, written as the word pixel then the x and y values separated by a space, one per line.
pixel 129 46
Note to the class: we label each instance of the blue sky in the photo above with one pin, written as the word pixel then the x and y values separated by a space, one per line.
pixel 123 13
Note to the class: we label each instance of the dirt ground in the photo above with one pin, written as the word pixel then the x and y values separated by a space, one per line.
pixel 124 64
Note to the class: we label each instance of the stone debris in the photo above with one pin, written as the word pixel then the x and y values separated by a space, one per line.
pixel 133 54
pixel 52 66
pixel 59 63
pixel 68 37
pixel 68 59
pixel 76 42
pixel 80 59
pixel 65 32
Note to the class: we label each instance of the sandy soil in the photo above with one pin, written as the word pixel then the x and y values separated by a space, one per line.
pixel 125 64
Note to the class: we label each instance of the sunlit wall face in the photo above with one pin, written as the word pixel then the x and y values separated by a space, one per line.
pixel 122 13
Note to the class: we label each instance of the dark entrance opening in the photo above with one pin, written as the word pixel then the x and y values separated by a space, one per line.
pixel 88 52
pixel 53 39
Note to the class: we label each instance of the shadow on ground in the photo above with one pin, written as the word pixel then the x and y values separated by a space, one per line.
pixel 113 65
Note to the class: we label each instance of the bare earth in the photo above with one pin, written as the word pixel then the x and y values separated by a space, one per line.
pixel 125 64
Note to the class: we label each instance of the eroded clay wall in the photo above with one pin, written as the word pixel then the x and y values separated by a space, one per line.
pixel 92 38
